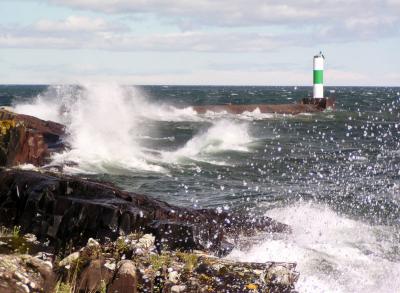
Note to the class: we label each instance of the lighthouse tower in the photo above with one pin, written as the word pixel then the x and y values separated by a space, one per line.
pixel 318 76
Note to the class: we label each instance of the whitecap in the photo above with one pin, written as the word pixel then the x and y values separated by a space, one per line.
pixel 222 136
pixel 333 253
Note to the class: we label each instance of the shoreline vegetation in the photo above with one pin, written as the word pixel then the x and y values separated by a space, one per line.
pixel 64 233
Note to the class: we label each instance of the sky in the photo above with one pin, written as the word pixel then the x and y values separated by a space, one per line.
pixel 199 42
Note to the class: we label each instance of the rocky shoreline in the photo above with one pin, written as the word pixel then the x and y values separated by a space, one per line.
pixel 133 263
pixel 89 236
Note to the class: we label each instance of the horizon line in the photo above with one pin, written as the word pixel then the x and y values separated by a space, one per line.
pixel 200 85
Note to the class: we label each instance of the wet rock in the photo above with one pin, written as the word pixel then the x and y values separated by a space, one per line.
pixel 321 104
pixel 46 257
pixel 110 264
pixel 67 209
pixel 221 275
pixel 93 244
pixel 170 271
pixel 94 277
pixel 280 276
pixel 92 250
pixel 69 260
pixel 27 140
pixel 175 235
pixel 192 272
pixel 126 278
pixel 30 238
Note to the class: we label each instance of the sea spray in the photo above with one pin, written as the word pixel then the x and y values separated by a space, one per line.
pixel 52 104
pixel 333 253
pixel 102 130
pixel 102 122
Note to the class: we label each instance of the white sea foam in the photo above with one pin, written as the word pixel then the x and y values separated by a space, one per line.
pixel 333 253
pixel 28 167
pixel 256 115
pixel 247 115
pixel 224 135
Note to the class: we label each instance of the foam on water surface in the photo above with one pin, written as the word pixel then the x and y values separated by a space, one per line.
pixel 223 135
pixel 333 253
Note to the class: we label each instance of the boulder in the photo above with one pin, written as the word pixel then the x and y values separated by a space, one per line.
pixel 94 277
pixel 125 280
pixel 20 273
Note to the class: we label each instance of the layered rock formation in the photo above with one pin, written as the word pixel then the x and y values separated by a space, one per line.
pixel 25 273
pixel 69 209
pixel 27 140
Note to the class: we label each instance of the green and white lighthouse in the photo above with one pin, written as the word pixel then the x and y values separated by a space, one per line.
pixel 318 76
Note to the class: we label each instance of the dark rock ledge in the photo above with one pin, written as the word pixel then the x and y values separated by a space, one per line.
pixel 67 209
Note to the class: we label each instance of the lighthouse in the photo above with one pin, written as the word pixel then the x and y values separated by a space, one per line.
pixel 318 76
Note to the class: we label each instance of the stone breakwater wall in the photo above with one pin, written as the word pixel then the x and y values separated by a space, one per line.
pixel 306 105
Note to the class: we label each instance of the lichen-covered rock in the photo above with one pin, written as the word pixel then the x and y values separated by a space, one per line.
pixel 111 270
pixel 193 272
pixel 27 140
pixel 280 275
pixel 178 289
pixel 69 260
pixel 25 273
pixel 145 244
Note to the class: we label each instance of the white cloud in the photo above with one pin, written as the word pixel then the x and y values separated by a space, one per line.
pixel 304 23
pixel 197 42
pixel 342 20
pixel 394 3
pixel 239 12
pixel 372 26
pixel 82 32
pixel 74 24
pixel 14 41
